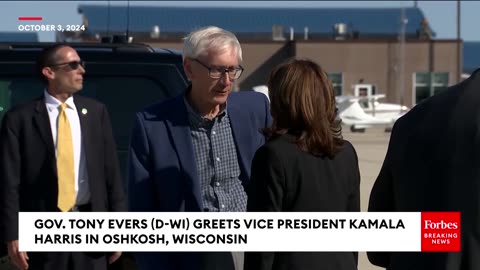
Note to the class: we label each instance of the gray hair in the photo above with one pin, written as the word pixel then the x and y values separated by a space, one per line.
pixel 200 41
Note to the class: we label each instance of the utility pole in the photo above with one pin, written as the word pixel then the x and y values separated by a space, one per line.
pixel 459 42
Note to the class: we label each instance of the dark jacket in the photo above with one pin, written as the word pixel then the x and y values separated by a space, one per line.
pixel 433 164
pixel 286 179
pixel 28 173
pixel 163 174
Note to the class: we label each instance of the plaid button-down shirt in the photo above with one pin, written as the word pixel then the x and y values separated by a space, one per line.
pixel 217 162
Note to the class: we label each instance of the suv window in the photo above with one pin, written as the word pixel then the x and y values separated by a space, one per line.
pixel 125 82
pixel 122 95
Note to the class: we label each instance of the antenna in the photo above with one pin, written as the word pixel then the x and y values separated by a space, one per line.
pixel 128 17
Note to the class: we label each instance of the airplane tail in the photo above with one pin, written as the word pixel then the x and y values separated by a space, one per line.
pixel 351 108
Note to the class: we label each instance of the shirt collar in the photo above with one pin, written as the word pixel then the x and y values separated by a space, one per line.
pixel 195 114
pixel 53 103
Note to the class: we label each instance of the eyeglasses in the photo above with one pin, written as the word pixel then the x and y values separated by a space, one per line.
pixel 73 64
pixel 216 72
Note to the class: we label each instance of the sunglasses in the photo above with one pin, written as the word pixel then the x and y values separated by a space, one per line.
pixel 73 64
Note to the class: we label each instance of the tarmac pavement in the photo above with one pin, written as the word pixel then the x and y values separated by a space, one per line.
pixel 371 148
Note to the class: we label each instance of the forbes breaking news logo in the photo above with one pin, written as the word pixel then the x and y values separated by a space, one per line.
pixel 441 232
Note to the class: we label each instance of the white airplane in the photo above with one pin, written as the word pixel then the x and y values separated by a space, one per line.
pixel 360 113
pixel 382 110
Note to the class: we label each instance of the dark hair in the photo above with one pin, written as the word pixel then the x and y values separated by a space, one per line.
pixel 48 57
pixel 303 105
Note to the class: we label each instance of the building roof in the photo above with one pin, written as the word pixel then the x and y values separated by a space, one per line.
pixel 18 37
pixel 365 21
pixel 471 56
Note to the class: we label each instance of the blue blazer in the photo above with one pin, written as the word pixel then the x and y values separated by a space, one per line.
pixel 162 172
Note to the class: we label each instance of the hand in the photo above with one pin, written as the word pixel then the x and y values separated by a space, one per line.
pixel 114 257
pixel 19 259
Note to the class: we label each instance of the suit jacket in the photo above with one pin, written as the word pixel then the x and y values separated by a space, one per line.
pixel 162 169
pixel 28 172
pixel 433 164
pixel 286 179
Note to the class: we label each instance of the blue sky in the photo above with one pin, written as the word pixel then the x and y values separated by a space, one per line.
pixel 441 14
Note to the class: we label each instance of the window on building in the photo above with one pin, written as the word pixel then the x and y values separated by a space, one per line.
pixel 337 82
pixel 428 84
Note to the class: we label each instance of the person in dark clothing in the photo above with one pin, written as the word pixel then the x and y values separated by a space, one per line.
pixel 305 166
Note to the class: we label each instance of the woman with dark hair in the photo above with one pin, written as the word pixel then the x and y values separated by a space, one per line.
pixel 305 166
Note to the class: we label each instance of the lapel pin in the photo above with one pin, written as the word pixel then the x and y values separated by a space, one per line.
pixel 84 111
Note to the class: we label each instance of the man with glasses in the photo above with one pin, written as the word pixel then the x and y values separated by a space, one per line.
pixel 194 152
pixel 57 153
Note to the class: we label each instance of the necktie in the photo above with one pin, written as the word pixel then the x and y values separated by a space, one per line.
pixel 65 165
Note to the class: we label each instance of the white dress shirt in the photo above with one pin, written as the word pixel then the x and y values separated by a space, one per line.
pixel 81 177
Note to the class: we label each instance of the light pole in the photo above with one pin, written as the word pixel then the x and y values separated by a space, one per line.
pixel 459 42
pixel 401 82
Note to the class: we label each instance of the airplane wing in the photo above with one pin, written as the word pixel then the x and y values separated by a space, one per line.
pixel 340 99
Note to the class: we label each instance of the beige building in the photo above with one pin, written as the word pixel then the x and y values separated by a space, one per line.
pixel 366 51
pixel 358 67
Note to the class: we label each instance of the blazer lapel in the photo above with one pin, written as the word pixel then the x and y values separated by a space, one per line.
pixel 86 126
pixel 241 136
pixel 42 123
pixel 83 117
pixel 85 129
pixel 180 130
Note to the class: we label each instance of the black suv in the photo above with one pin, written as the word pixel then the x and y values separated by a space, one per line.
pixel 125 77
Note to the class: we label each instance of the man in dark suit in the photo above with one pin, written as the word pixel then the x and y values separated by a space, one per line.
pixel 432 164
pixel 57 153
pixel 194 152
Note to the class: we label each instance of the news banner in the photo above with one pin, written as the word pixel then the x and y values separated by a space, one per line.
pixel 272 231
